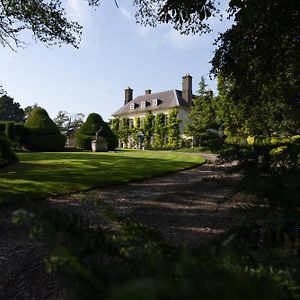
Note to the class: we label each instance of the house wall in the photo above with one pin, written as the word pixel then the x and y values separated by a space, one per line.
pixel 182 115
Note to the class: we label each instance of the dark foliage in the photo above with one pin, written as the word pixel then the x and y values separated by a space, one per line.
pixel 10 110
pixel 258 60
pixel 42 134
pixel 87 133
pixel 136 264
pixel 7 155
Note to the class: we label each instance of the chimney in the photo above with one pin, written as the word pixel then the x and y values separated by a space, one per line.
pixel 128 95
pixel 147 92
pixel 187 88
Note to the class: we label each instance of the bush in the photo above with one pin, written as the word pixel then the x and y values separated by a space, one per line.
pixel 7 155
pixel 87 132
pixel 2 126
pixel 42 133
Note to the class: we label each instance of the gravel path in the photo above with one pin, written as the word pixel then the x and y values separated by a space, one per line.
pixel 187 207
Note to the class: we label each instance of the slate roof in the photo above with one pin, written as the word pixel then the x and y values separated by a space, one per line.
pixel 166 99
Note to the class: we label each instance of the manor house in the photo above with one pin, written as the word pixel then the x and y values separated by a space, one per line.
pixel 158 102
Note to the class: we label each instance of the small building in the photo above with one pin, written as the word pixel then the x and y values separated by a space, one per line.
pixel 156 103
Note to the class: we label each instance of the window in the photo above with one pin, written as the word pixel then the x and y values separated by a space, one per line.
pixel 131 122
pixel 143 104
pixel 154 102
pixel 132 106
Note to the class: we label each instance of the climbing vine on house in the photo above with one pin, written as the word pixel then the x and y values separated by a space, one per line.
pixel 148 129
pixel 173 128
pixel 135 130
pixel 115 126
pixel 125 130
pixel 160 130
pixel 151 125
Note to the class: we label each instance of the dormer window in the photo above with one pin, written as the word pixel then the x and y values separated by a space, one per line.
pixel 132 106
pixel 154 102
pixel 143 104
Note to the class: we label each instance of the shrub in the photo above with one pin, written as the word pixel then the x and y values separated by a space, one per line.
pixel 7 155
pixel 2 126
pixel 87 132
pixel 42 133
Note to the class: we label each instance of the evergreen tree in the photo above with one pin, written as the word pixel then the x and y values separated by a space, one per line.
pixel 87 132
pixel 202 115
pixel 42 132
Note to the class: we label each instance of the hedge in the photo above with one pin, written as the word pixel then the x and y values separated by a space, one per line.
pixel 42 134
pixel 87 132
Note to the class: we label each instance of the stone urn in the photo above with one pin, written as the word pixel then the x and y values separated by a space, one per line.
pixel 100 144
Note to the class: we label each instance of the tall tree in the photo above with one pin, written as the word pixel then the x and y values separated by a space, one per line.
pixel 202 115
pixel 10 110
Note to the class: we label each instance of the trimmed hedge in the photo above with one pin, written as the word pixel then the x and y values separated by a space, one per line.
pixel 7 155
pixel 42 133
pixel 87 132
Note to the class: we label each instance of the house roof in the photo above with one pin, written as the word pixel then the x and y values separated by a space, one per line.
pixel 166 99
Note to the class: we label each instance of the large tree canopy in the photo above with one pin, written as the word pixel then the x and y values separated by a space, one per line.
pixel 49 23
pixel 45 18
pixel 258 59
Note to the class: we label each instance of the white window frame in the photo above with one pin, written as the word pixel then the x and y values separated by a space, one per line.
pixel 132 106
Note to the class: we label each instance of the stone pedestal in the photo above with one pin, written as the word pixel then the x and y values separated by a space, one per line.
pixel 99 145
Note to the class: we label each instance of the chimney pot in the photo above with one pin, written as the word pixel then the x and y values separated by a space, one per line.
pixel 128 95
pixel 147 92
pixel 187 93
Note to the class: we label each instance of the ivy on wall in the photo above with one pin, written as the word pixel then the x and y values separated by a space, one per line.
pixel 115 126
pixel 148 129
pixel 151 125
pixel 135 130
pixel 125 130
pixel 160 130
pixel 173 128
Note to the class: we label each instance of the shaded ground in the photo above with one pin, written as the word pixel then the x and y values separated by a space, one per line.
pixel 187 207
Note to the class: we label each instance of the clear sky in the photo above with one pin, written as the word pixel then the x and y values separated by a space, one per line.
pixel 115 53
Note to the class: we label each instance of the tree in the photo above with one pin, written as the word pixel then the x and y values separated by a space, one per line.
pixel 62 121
pixel 48 22
pixel 76 121
pixel 10 110
pixel 185 16
pixel 28 110
pixel 259 61
pixel 2 91
pixel 202 115
pixel 87 132
pixel 43 134
pixel 46 19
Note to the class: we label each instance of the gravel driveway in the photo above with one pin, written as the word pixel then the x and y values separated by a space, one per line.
pixel 187 207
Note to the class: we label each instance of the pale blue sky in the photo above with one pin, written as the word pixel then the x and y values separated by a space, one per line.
pixel 115 52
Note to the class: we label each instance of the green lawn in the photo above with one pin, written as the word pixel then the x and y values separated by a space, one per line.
pixel 44 174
